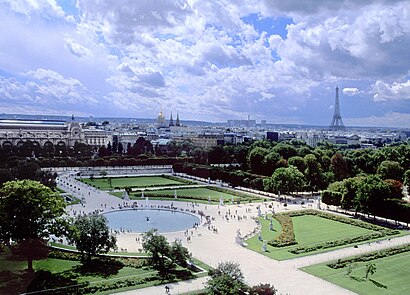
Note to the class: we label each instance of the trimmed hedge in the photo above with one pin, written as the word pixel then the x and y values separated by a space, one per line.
pixel 381 231
pixel 287 236
pixel 346 220
pixel 332 244
pixel 341 263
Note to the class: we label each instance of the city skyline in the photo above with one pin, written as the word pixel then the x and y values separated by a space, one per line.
pixel 210 61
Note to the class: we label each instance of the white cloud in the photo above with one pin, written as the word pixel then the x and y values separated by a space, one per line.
pixel 44 8
pixel 77 49
pixel 351 91
pixel 395 91
pixel 202 58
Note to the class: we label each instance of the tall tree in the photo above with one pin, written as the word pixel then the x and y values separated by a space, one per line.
pixel 339 167
pixel 226 279
pixel 313 173
pixel 286 180
pixel 163 256
pixel 91 235
pixel 390 170
pixel 29 213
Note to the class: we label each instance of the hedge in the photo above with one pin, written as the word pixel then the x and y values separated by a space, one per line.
pixel 340 263
pixel 287 236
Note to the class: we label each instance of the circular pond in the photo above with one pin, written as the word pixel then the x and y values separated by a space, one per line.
pixel 140 221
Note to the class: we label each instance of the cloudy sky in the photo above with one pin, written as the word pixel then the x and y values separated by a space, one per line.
pixel 208 60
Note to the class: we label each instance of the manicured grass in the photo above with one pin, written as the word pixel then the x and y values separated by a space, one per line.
pixel 309 230
pixel 54 273
pixel 199 195
pixel 391 277
pixel 137 181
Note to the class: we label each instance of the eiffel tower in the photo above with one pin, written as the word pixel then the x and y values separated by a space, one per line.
pixel 337 123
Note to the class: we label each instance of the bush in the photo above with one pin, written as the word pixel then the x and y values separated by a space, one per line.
pixel 287 236
pixel 341 263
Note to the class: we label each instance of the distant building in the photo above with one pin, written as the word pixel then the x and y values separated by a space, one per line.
pixel 50 132
pixel 242 123
pixel 171 121
pixel 161 122
pixel 177 123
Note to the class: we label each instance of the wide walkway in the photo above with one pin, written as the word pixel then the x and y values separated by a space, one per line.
pixel 213 247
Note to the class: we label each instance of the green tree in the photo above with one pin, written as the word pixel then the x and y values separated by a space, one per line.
pixel 91 235
pixel 163 256
pixel 226 279
pixel 390 170
pixel 298 162
pixel 286 180
pixel 313 173
pixel 339 167
pixel 269 162
pixel 285 150
pixel 263 289
pixel 371 193
pixel 179 254
pixel 256 159
pixel 29 213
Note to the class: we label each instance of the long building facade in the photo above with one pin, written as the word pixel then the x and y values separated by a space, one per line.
pixel 46 132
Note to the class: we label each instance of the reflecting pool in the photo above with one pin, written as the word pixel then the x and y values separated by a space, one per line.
pixel 138 220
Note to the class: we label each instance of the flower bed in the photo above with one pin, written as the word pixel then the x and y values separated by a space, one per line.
pixel 287 236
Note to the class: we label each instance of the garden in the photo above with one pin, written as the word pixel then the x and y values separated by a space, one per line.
pixel 117 183
pixel 65 273
pixel 382 272
pixel 306 232
pixel 198 194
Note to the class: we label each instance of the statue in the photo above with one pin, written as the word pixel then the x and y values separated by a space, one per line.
pixel 264 249
pixel 239 239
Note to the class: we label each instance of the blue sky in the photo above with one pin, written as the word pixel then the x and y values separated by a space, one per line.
pixel 274 60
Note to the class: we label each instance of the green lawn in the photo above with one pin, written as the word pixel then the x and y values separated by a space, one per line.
pixel 309 229
pixel 199 195
pixel 137 181
pixel 391 277
pixel 54 273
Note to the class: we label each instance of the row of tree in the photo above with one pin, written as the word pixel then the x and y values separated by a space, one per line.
pixel 369 194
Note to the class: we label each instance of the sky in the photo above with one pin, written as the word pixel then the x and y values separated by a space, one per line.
pixel 213 60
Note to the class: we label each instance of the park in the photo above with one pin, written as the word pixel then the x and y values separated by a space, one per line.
pixel 269 238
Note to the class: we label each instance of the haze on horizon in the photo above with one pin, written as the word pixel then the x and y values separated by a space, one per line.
pixel 208 60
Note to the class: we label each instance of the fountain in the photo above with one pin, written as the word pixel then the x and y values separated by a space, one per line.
pixel 142 220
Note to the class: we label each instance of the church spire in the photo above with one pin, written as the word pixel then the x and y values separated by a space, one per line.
pixel 177 122
pixel 171 121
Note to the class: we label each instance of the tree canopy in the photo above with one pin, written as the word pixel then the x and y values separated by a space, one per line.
pixel 91 235
pixel 29 211
pixel 164 256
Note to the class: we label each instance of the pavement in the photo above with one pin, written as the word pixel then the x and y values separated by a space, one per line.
pixel 211 247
